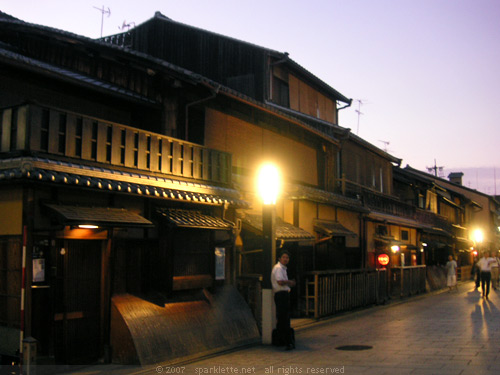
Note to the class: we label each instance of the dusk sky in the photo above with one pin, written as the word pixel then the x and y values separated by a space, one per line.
pixel 425 74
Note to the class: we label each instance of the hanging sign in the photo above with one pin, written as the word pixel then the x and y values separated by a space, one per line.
pixel 383 259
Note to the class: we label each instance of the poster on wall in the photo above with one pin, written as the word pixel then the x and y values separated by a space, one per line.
pixel 220 260
pixel 38 270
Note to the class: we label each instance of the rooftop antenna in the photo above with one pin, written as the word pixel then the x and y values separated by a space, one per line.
pixel 386 143
pixel 435 168
pixel 126 25
pixel 358 111
pixel 495 180
pixel 103 12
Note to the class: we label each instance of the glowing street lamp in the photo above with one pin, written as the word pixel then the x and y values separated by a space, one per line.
pixel 478 236
pixel 268 183
pixel 268 187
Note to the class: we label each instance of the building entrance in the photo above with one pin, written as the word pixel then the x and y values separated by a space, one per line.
pixel 77 301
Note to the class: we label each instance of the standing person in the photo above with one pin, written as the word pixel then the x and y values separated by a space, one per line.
pixel 281 288
pixel 485 264
pixel 494 273
pixel 451 275
pixel 477 272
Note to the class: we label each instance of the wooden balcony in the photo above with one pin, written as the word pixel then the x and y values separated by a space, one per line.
pixel 391 205
pixel 34 130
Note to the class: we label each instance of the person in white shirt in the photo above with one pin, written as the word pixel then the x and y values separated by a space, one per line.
pixel 281 289
pixel 485 264
pixel 494 273
pixel 451 276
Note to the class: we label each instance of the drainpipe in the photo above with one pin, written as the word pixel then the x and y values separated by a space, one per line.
pixel 213 94
pixel 341 108
pixel 346 106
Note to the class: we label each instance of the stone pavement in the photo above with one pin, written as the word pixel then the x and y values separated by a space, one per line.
pixel 443 333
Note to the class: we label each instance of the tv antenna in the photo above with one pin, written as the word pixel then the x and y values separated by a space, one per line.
pixel 103 12
pixel 435 169
pixel 386 143
pixel 126 25
pixel 358 111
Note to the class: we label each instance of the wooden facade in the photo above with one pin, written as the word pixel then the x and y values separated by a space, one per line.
pixel 162 160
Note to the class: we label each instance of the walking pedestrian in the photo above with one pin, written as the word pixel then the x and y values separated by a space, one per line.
pixel 281 288
pixel 477 272
pixel 485 264
pixel 494 272
pixel 451 273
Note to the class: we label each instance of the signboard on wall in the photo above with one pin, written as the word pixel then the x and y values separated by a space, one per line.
pixel 220 261
pixel 38 270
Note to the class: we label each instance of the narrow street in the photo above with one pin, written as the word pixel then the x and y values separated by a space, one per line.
pixel 454 332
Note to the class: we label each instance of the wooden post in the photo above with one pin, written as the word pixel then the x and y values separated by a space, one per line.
pixel 316 296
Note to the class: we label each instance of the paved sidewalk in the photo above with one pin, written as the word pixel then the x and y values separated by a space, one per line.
pixel 447 333
pixel 454 332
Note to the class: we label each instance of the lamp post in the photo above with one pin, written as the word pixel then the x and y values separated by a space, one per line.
pixel 268 186
pixel 478 238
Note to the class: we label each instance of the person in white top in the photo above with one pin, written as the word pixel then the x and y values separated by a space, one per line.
pixel 281 289
pixel 451 273
pixel 485 264
pixel 494 273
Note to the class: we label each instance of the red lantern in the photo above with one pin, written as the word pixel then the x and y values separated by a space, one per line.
pixel 383 259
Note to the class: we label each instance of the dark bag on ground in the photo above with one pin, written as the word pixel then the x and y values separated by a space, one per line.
pixel 279 341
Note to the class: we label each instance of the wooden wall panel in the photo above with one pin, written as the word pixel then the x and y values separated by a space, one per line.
pixel 70 135
pixel 6 130
pixel 11 211
pixel 298 161
pixel 307 100
pixel 330 111
pixel 250 145
pixel 293 86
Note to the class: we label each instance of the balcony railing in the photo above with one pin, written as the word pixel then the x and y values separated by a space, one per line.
pixel 32 129
pixel 380 202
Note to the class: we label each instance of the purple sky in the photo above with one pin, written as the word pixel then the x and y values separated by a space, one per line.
pixel 427 72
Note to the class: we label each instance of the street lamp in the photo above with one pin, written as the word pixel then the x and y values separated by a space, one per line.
pixel 478 237
pixel 268 187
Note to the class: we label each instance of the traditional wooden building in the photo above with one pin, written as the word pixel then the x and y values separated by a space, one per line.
pixel 467 210
pixel 338 186
pixel 311 161
pixel 117 241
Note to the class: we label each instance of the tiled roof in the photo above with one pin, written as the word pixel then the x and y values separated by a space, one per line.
pixel 284 231
pixel 45 170
pixel 193 219
pixel 101 216
pixel 68 75
pixel 332 228
pixel 295 191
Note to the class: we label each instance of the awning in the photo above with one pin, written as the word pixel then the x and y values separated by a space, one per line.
pixel 100 216
pixel 398 220
pixel 387 241
pixel 284 231
pixel 193 219
pixel 332 228
pixel 110 180
pixel 436 244
pixel 436 231
pixel 300 192
pixel 464 241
